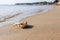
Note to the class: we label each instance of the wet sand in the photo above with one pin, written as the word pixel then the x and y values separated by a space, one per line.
pixel 46 26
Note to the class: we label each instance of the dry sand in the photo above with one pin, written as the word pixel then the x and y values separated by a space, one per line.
pixel 46 27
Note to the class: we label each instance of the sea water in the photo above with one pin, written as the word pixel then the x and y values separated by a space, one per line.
pixel 23 11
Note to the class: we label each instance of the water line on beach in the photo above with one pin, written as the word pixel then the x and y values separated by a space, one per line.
pixel 23 15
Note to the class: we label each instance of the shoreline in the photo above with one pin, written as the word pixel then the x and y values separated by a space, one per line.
pixel 38 13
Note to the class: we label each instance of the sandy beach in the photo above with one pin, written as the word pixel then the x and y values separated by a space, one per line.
pixel 46 26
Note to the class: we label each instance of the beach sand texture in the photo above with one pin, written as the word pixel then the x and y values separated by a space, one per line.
pixel 46 27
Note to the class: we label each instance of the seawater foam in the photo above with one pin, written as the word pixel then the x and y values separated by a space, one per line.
pixel 12 14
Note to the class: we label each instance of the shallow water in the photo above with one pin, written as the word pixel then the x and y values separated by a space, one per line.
pixel 23 11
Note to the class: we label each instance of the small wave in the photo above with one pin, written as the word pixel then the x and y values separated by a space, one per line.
pixel 16 13
pixel 3 19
